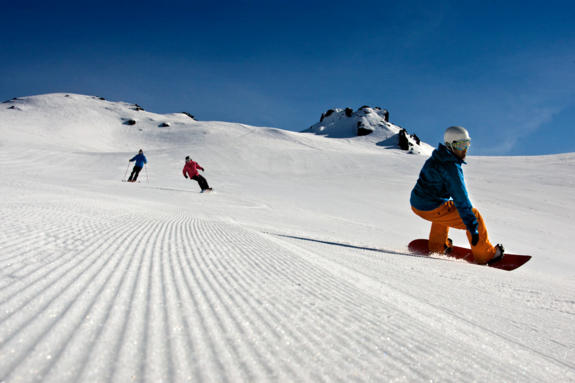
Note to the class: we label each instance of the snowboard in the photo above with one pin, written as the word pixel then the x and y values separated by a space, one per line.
pixel 508 262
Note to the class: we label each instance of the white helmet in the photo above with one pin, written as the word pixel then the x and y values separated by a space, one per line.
pixel 455 133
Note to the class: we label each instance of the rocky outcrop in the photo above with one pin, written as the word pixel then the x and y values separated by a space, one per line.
pixel 189 115
pixel 365 121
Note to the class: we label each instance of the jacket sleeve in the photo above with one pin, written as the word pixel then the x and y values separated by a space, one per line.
pixel 133 159
pixel 184 171
pixel 145 160
pixel 458 191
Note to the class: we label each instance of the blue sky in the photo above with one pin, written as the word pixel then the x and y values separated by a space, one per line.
pixel 503 69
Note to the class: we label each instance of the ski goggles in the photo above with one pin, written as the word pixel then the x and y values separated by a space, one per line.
pixel 461 144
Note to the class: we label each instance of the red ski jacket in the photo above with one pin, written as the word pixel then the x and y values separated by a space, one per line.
pixel 191 169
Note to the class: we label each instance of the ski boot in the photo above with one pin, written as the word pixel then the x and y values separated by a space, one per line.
pixel 448 247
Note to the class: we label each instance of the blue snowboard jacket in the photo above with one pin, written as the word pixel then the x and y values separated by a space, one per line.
pixel 140 160
pixel 440 180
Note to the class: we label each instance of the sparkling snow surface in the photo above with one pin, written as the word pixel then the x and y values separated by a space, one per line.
pixel 294 269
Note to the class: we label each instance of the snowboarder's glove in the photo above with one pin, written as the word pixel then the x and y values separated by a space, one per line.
pixel 474 239
pixel 186 177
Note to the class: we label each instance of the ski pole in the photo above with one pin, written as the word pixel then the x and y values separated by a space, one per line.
pixel 146 169
pixel 126 173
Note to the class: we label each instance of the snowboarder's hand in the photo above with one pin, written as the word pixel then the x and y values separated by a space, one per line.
pixel 186 177
pixel 474 239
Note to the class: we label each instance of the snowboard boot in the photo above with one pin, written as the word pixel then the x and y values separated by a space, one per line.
pixel 499 253
pixel 448 247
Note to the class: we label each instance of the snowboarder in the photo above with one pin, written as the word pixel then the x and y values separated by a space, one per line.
pixel 191 170
pixel 141 160
pixel 440 196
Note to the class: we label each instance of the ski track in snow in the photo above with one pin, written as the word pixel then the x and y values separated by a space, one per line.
pixel 96 294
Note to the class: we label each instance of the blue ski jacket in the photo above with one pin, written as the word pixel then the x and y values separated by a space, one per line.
pixel 440 180
pixel 140 160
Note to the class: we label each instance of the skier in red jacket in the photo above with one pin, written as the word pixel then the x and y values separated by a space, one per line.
pixel 191 170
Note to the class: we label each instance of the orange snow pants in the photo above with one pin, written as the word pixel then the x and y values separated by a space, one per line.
pixel 446 216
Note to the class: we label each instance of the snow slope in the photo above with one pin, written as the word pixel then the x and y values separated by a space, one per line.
pixel 294 269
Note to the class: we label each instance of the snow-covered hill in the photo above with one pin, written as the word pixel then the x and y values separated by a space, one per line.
pixel 294 269
pixel 372 125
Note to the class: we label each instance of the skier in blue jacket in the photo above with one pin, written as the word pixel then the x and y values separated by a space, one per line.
pixel 141 160
pixel 440 196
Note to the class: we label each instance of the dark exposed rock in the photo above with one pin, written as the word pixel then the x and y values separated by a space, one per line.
pixel 348 112
pixel 326 114
pixel 361 130
pixel 403 141
pixel 137 108
pixel 386 115
pixel 164 125
pixel 189 115
pixel 130 122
